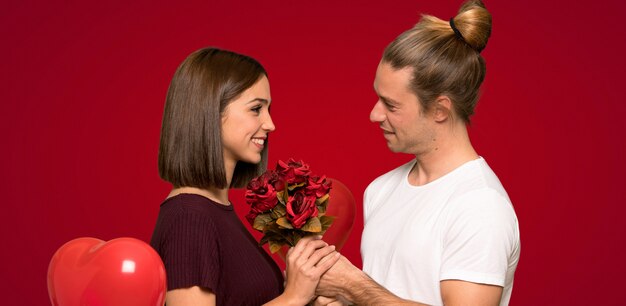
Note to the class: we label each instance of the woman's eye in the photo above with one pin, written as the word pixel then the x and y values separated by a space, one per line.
pixel 256 109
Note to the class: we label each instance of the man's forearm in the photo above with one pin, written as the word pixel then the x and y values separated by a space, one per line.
pixel 365 291
pixel 351 283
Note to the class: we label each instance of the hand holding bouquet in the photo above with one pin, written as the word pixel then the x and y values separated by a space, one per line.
pixel 288 203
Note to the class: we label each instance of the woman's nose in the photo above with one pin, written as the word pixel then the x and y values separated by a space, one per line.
pixel 268 124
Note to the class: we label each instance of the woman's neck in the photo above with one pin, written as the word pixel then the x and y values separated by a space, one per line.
pixel 216 195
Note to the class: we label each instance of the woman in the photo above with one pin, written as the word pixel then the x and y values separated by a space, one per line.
pixel 213 137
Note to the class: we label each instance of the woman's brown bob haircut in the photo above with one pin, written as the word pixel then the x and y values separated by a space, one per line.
pixel 190 152
pixel 443 62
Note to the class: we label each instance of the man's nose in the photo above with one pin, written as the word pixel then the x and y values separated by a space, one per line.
pixel 378 112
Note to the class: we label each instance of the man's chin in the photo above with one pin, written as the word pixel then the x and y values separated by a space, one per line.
pixel 397 149
pixel 392 148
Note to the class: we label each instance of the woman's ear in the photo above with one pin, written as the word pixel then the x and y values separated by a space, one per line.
pixel 442 110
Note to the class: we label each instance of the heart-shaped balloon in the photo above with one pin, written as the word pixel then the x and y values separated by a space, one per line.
pixel 120 272
pixel 342 206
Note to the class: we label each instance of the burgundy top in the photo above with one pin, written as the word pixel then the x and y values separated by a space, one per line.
pixel 203 243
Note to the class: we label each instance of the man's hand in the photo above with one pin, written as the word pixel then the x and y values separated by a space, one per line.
pixel 337 280
pixel 349 284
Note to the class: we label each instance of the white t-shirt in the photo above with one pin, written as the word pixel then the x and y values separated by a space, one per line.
pixel 461 226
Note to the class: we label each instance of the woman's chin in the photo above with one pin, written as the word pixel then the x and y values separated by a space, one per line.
pixel 252 159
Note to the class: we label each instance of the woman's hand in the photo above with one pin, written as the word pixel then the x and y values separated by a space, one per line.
pixel 306 262
pixel 327 301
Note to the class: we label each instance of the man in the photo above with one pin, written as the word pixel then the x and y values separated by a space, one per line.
pixel 439 230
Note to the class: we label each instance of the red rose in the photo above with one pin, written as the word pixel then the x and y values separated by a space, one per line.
pixel 300 208
pixel 251 216
pixel 260 195
pixel 318 186
pixel 293 172
pixel 275 179
pixel 288 203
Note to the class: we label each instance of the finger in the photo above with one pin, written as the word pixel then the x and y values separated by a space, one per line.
pixel 325 258
pixel 327 262
pixel 319 254
pixel 322 300
pixel 311 247
pixel 301 245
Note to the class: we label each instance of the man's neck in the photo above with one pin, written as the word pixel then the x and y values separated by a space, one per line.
pixel 451 150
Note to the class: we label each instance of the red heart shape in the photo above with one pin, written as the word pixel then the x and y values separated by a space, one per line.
pixel 343 207
pixel 122 271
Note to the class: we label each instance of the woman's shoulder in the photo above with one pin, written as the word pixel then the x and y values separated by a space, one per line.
pixel 184 208
pixel 186 213
pixel 194 203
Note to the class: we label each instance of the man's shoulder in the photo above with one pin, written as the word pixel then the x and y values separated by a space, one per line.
pixel 383 186
pixel 394 175
pixel 477 177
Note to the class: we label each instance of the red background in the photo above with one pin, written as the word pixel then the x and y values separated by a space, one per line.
pixel 83 86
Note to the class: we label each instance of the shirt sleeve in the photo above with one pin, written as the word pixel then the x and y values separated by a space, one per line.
pixel 480 237
pixel 190 252
pixel 366 204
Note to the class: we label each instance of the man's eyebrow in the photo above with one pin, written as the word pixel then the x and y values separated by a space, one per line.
pixel 387 100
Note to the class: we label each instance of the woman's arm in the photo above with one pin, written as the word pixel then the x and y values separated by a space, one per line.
pixel 306 262
pixel 194 296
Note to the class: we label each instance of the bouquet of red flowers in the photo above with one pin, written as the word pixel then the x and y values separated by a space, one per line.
pixel 288 203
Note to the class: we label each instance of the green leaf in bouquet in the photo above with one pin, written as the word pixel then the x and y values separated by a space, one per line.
pixel 272 236
pixel 283 222
pixel 321 210
pixel 313 225
pixel 275 246
pixel 326 222
pixel 323 200
pixel 283 197
pixel 278 231
pixel 289 237
pixel 322 204
pixel 272 227
pixel 295 237
pixel 266 238
pixel 279 211
pixel 294 186
pixel 261 221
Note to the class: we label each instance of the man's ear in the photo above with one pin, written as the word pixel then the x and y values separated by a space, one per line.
pixel 442 109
